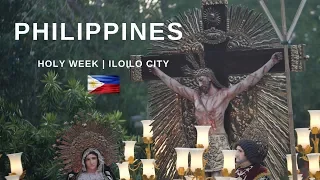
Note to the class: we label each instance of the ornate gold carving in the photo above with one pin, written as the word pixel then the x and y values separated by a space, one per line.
pixel 199 146
pixel 226 173
pixel 243 106
pixel 315 142
pixel 211 36
pixel 316 175
pixel 244 30
pixel 211 16
pixel 304 151
pixel 198 173
pixel 131 160
pixel 181 171
pixel 145 177
pixel 315 130
pixel 212 2
pixel 147 140
pixel 298 58
pixel 135 72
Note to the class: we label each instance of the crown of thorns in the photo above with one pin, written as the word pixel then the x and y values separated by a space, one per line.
pixel 208 73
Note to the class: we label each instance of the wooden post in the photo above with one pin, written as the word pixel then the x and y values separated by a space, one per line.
pixel 288 85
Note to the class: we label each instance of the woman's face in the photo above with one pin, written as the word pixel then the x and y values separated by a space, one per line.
pixel 91 162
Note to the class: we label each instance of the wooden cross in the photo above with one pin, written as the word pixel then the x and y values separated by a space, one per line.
pixel 224 63
pixel 219 58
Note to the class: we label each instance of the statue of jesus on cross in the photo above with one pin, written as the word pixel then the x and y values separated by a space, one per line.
pixel 211 101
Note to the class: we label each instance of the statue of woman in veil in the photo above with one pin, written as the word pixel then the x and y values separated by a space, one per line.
pixel 93 167
pixel 87 150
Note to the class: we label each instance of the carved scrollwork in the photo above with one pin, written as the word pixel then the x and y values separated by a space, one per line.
pixel 212 36
pixel 211 17
pixel 298 58
pixel 238 41
pixel 212 2
pixel 236 79
pixel 248 29
pixel 242 113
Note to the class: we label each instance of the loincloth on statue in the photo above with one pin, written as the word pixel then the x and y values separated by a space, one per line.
pixel 214 156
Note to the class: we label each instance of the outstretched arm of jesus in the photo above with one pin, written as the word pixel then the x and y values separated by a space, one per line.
pixel 255 77
pixel 174 85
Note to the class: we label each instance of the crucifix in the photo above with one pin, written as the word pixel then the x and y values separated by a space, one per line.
pixel 231 41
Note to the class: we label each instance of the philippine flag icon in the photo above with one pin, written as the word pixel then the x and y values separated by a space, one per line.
pixel 102 84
